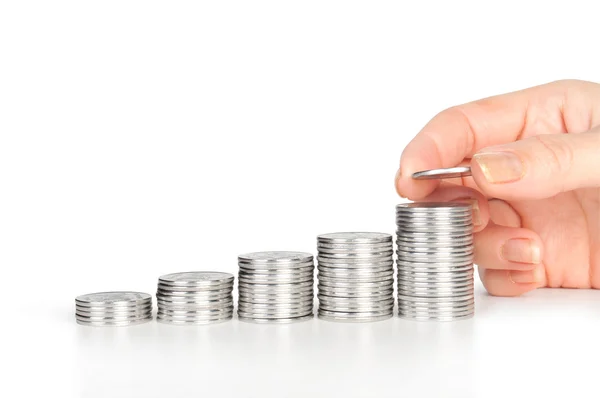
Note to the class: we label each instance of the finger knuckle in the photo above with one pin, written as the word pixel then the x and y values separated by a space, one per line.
pixel 557 155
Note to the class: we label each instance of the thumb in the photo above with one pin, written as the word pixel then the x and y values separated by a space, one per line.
pixel 539 167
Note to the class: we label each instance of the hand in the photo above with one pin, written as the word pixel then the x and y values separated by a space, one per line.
pixel 535 159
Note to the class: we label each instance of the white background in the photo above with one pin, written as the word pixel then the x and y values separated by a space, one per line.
pixel 141 138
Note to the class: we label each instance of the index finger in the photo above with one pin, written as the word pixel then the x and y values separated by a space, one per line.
pixel 458 132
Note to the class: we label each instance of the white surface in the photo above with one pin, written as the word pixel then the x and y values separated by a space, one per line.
pixel 141 138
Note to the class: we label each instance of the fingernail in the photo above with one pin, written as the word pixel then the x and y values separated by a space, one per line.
pixel 500 167
pixel 521 251
pixel 534 276
pixel 475 209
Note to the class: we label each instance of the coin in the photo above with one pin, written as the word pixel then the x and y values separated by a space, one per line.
pixel 200 278
pixel 113 298
pixel 451 172
pixel 275 321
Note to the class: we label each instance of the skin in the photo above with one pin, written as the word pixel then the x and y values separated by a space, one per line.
pixel 537 214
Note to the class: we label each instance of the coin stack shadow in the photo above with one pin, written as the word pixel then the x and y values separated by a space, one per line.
pixel 435 261
pixel 356 276
pixel 113 309
pixel 275 287
pixel 195 298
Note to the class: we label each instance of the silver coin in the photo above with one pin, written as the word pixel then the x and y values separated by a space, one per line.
pixel 195 313
pixel 270 257
pixel 113 320
pixel 167 321
pixel 408 279
pixel 408 312
pixel 437 284
pixel 434 291
pixel 197 278
pixel 306 291
pixel 288 287
pixel 111 313
pixel 437 319
pixel 443 224
pixel 267 271
pixel 349 266
pixel 339 292
pixel 353 247
pixel 436 245
pixel 115 324
pixel 276 321
pixel 276 315
pixel 192 321
pixel 272 282
pixel 434 257
pixel 356 284
pixel 435 267
pixel 428 312
pixel 351 272
pixel 274 276
pixel 207 292
pixel 196 306
pixel 435 275
pixel 429 216
pixel 169 318
pixel 432 206
pixel 277 305
pixel 260 312
pixel 357 262
pixel 452 251
pixel 193 299
pixel 184 289
pixel 355 276
pixel 461 297
pixel 360 303
pixel 436 174
pixel 354 307
pixel 363 254
pixel 276 294
pixel 436 305
pixel 113 299
pixel 358 277
pixel 355 315
pixel 354 298
pixel 357 310
pixel 354 237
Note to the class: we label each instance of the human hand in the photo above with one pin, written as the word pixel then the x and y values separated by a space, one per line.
pixel 535 185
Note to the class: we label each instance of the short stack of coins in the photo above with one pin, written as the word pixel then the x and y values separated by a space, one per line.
pixel 113 309
pixel 275 287
pixel 356 276
pixel 195 298
pixel 435 261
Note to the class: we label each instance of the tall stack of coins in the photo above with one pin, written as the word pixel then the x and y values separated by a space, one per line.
pixel 356 276
pixel 275 287
pixel 195 298
pixel 435 261
pixel 113 309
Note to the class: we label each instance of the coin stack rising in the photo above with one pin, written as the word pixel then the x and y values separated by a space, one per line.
pixel 435 261
pixel 275 287
pixel 195 298
pixel 356 276
pixel 113 309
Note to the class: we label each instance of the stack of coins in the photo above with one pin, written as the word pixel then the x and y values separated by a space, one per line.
pixel 275 287
pixel 356 276
pixel 435 261
pixel 113 309
pixel 195 298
